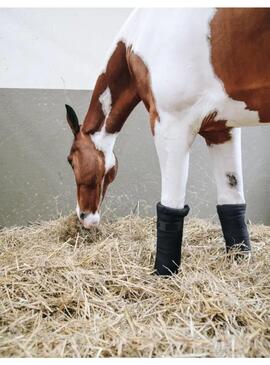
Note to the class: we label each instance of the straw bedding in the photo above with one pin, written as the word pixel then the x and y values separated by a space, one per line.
pixel 68 292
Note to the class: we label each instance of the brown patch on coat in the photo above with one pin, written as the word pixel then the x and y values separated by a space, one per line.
pixel 240 54
pixel 123 91
pixel 123 94
pixel 129 82
pixel 95 117
pixel 142 78
pixel 214 131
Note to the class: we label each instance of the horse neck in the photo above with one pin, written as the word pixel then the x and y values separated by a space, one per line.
pixel 113 99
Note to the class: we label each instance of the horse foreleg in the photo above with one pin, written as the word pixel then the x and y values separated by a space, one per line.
pixel 173 140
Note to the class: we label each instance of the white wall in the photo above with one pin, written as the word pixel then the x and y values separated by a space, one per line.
pixel 55 48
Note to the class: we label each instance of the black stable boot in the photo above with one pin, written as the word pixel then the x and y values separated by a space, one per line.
pixel 234 228
pixel 169 239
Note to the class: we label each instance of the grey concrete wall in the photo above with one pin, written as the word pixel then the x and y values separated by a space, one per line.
pixel 37 183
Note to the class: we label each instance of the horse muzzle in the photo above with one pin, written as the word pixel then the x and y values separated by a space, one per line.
pixel 88 220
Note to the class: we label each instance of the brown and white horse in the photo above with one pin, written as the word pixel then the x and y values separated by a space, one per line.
pixel 197 71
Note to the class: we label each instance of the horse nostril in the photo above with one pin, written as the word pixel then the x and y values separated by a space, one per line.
pixel 82 215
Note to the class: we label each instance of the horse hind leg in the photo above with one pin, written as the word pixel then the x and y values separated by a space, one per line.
pixel 231 206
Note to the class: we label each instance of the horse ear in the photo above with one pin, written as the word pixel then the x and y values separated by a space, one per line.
pixel 72 120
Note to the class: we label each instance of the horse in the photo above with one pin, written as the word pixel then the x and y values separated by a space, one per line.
pixel 198 72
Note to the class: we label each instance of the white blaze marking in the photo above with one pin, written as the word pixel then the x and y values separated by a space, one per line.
pixel 106 101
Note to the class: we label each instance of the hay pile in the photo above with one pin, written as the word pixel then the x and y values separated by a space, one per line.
pixel 69 292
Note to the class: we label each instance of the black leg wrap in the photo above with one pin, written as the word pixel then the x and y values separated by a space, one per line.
pixel 169 239
pixel 234 228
